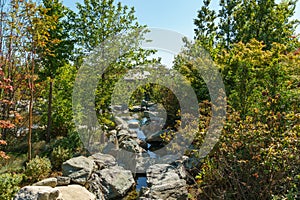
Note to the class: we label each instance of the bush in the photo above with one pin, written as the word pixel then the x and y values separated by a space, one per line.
pixel 9 185
pixel 254 159
pixel 60 155
pixel 38 168
pixel 72 142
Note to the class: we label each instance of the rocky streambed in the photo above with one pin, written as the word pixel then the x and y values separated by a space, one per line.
pixel 128 163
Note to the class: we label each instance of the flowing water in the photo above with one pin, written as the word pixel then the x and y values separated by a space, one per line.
pixel 141 179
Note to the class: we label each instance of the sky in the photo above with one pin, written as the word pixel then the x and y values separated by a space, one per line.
pixel 175 15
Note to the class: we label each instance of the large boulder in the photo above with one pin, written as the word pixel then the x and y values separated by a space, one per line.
pixel 143 163
pixel 78 169
pixel 75 192
pixel 165 182
pixel 115 181
pixel 37 193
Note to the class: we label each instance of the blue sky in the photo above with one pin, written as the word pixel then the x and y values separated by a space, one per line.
pixel 177 15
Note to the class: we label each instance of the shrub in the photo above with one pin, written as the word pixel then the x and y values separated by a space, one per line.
pixel 60 155
pixel 72 142
pixel 38 168
pixel 9 185
pixel 254 160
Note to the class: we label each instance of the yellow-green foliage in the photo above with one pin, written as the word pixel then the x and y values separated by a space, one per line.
pixel 38 168
pixel 60 155
pixel 9 185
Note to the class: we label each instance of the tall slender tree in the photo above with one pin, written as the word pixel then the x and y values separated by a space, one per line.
pixel 59 48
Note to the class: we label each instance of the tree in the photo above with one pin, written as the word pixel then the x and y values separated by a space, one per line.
pixel 253 44
pixel 252 73
pixel 241 21
pixel 59 47
pixel 37 41
pixel 96 22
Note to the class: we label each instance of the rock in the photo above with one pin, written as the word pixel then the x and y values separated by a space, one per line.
pixel 117 107
pixel 125 159
pixel 191 163
pixel 78 169
pixel 143 163
pixel 133 124
pixel 121 124
pixel 133 133
pixel 137 109
pixel 116 181
pixel 63 180
pixel 123 135
pixel 52 182
pixel 142 143
pixel 108 148
pixel 131 146
pixel 103 160
pixel 112 133
pixel 168 159
pixel 155 137
pixel 37 193
pixel 144 103
pixel 94 186
pixel 75 192
pixel 165 182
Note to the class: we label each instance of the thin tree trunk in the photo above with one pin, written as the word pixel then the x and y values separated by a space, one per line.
pixel 31 87
pixel 30 122
pixel 49 123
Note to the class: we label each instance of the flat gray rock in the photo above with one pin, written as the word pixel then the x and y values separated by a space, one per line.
pixel 52 182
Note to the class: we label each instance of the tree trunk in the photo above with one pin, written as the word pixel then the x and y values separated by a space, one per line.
pixel 30 122
pixel 49 123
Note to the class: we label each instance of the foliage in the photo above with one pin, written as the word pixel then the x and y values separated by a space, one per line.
pixel 62 120
pixel 60 155
pixel 113 22
pixel 38 168
pixel 252 152
pixel 256 157
pixel 9 185
pixel 240 21
pixel 59 50
pixel 72 142
pixel 249 72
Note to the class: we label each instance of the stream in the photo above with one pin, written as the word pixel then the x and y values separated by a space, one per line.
pixel 141 179
pixel 144 121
